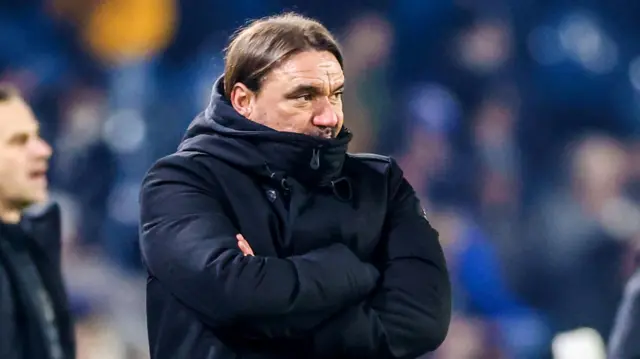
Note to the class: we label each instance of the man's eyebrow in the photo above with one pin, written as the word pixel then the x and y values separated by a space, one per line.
pixel 339 87
pixel 18 137
pixel 311 89
pixel 304 89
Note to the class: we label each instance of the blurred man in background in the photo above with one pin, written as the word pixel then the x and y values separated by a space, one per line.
pixel 34 317
pixel 263 238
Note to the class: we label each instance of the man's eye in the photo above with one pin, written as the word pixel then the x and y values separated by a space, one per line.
pixel 305 97
pixel 337 95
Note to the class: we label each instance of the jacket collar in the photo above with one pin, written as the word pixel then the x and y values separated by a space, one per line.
pixel 222 132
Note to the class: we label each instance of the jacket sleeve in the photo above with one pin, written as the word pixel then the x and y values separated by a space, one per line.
pixel 188 244
pixel 625 337
pixel 409 314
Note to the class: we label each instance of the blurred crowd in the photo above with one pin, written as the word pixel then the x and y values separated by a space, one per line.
pixel 516 121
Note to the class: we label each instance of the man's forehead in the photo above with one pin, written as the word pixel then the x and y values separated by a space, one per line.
pixel 316 80
pixel 316 69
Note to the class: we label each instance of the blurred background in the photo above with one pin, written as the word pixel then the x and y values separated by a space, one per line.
pixel 518 122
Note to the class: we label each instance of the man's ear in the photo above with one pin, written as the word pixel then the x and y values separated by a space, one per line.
pixel 242 99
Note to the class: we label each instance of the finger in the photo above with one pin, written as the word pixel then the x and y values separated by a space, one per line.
pixel 244 245
pixel 245 248
pixel 249 249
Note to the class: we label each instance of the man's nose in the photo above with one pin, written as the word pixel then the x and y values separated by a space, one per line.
pixel 41 149
pixel 326 116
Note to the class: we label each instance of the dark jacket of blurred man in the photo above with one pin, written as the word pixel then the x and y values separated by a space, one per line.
pixel 263 238
pixel 34 318
pixel 625 337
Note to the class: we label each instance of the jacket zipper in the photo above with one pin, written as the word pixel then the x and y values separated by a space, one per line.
pixel 315 159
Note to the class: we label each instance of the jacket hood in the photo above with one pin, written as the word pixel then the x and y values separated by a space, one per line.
pixel 220 131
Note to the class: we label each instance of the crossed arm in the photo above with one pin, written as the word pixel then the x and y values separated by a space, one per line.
pixel 410 311
pixel 192 248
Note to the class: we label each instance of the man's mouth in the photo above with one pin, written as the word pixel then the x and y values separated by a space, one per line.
pixel 326 133
pixel 38 174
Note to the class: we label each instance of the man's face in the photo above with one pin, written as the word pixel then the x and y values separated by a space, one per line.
pixel 24 157
pixel 303 95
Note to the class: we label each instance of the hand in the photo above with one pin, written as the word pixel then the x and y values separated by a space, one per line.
pixel 244 245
